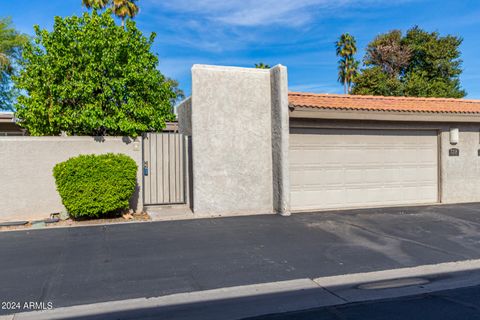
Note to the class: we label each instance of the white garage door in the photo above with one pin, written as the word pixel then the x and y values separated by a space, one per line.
pixel 332 168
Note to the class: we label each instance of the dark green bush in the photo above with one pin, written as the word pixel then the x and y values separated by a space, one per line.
pixel 96 185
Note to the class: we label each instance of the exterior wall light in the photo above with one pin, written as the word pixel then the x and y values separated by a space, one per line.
pixel 454 135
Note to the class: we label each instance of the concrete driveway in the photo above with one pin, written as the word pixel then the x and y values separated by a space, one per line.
pixel 73 266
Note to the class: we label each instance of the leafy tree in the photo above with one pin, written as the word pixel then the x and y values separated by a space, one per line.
pixel 436 66
pixel 121 8
pixel 390 53
pixel 420 64
pixel 91 77
pixel 346 48
pixel 374 81
pixel 261 65
pixel 11 44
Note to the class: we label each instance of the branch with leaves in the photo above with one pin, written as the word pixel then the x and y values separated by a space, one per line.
pixel 419 64
pixel 89 76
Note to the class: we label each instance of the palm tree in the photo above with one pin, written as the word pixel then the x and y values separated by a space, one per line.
pixel 261 65
pixel 346 48
pixel 95 4
pixel 121 8
pixel 347 71
pixel 124 8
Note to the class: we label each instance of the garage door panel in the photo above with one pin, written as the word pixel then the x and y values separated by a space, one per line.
pixel 317 178
pixel 424 174
pixel 424 155
pixel 361 168
pixel 412 174
pixel 330 176
pixel 353 176
pixel 393 156
pixel 422 193
pixel 428 193
pixel 393 174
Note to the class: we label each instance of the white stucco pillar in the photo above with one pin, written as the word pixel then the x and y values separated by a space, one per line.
pixel 280 140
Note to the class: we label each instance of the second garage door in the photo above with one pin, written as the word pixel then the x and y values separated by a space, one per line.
pixel 333 168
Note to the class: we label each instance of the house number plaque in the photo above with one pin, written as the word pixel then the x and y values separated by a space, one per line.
pixel 454 152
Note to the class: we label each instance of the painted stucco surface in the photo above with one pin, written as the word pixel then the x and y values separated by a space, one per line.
pixel 184 115
pixel 28 188
pixel 461 175
pixel 280 140
pixel 231 140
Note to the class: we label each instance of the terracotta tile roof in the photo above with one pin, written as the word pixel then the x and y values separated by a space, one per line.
pixel 380 103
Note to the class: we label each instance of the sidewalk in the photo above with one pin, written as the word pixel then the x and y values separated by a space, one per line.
pixel 85 265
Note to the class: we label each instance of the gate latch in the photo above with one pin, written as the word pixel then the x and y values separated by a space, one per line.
pixel 145 168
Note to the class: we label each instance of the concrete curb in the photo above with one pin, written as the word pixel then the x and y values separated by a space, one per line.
pixel 277 297
pixel 438 277
pixel 235 303
pixel 153 219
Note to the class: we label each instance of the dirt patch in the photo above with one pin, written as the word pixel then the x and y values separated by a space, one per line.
pixel 135 217
pixel 17 227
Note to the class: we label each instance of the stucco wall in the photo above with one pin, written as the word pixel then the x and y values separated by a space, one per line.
pixel 28 188
pixel 459 177
pixel 184 115
pixel 231 140
pixel 280 139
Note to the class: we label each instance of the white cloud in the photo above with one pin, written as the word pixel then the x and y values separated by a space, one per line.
pixel 316 87
pixel 251 13
pixel 219 26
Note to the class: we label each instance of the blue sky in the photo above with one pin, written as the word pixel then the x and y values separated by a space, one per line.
pixel 296 33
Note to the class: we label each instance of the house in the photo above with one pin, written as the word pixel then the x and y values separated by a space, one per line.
pixel 256 148
pixel 9 126
pixel 244 144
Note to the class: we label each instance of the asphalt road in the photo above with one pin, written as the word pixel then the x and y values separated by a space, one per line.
pixel 458 304
pixel 72 266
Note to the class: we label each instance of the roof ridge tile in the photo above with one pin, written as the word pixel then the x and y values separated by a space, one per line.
pixel 372 97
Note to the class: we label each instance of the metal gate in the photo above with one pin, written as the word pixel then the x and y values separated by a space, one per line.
pixel 164 168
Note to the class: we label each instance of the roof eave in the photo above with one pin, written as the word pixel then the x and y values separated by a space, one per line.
pixel 339 114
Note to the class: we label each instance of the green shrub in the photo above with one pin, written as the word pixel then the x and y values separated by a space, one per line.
pixel 95 185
